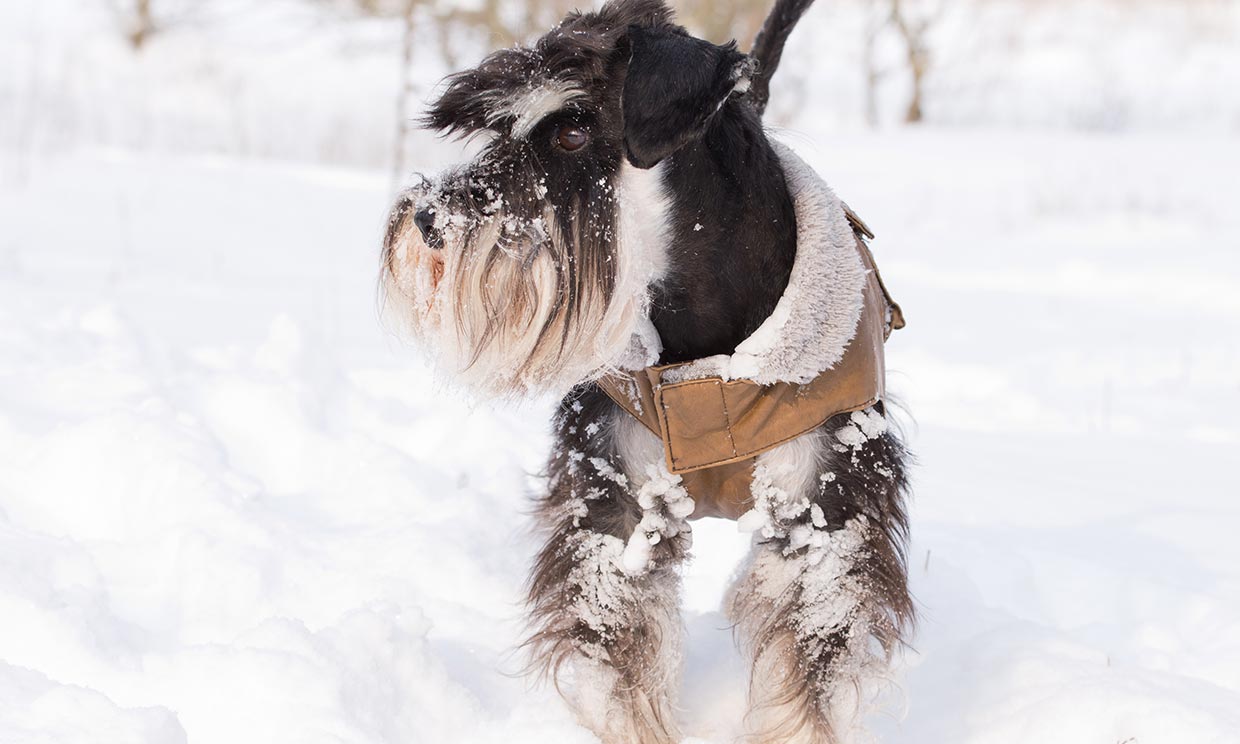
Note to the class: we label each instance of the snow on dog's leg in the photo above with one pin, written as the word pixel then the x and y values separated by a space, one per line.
pixel 604 595
pixel 823 602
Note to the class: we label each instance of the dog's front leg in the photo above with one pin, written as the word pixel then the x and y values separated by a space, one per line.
pixel 604 595
pixel 823 601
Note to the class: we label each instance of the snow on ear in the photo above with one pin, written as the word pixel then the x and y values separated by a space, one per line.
pixel 742 75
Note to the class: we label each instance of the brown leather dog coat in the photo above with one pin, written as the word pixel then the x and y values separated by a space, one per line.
pixel 712 429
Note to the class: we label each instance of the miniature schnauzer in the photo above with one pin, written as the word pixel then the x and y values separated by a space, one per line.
pixel 629 238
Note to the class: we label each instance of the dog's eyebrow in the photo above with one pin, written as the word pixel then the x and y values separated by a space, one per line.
pixel 530 105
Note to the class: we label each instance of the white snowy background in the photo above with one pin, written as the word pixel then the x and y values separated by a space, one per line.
pixel 233 510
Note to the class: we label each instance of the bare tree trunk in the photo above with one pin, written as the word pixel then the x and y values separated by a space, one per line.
pixel 721 20
pixel 402 98
pixel 918 55
pixel 873 75
pixel 142 25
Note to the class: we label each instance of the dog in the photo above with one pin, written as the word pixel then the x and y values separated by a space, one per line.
pixel 631 239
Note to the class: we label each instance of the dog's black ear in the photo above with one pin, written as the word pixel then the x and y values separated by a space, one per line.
pixel 674 85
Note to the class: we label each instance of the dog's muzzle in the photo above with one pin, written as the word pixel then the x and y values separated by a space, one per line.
pixel 414 247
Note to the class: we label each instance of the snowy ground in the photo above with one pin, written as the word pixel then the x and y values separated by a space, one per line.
pixel 232 510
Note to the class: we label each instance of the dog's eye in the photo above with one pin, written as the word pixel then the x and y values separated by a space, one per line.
pixel 571 138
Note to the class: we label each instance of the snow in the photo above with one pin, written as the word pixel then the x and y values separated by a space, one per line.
pixel 862 427
pixel 666 506
pixel 233 510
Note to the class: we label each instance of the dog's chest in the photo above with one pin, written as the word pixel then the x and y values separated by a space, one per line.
pixel 709 428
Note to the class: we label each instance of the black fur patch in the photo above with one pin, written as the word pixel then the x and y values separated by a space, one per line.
pixel 733 238
pixel 674 87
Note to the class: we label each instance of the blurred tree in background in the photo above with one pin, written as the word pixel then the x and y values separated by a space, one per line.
pixel 461 28
pixel 913 21
pixel 136 19
pixel 140 20
pixel 500 22
pixel 505 22
pixel 722 20
pixel 141 23
pixel 346 80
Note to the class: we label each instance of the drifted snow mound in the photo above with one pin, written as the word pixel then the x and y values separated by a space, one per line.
pixel 218 547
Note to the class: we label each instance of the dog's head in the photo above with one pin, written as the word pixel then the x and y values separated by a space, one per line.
pixel 529 268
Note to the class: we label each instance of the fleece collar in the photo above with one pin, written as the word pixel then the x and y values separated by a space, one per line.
pixel 817 314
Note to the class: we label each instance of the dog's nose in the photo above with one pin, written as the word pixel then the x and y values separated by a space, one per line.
pixel 424 218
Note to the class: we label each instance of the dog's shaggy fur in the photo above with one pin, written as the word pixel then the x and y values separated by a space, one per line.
pixel 626 210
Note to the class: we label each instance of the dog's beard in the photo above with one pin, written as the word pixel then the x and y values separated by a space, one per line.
pixel 517 305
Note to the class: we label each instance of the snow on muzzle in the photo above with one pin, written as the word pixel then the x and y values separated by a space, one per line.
pixel 481 284
pixel 412 268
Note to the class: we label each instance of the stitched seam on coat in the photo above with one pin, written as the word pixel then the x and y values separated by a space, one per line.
pixel 727 417
pixel 665 432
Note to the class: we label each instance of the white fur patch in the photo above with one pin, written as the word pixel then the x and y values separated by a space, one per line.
pixel 783 483
pixel 644 213
pixel 531 105
pixel 637 446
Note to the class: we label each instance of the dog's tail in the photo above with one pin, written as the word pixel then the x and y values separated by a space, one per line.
pixel 768 46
